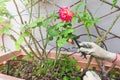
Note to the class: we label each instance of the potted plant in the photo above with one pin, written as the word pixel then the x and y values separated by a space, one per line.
pixel 37 63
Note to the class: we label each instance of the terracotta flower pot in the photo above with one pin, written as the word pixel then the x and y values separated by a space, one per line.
pixel 51 55
pixel 82 62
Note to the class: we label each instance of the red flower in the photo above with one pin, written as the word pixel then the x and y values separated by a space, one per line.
pixel 65 14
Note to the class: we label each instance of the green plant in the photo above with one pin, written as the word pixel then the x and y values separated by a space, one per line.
pixel 4 17
pixel 24 69
pixel 60 31
pixel 66 70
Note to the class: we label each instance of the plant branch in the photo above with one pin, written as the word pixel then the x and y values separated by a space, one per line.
pixel 104 36
pixel 30 17
pixel 30 6
pixel 14 39
pixel 33 39
pixel 110 68
pixel 3 43
pixel 18 11
pixel 29 46
pixel 110 4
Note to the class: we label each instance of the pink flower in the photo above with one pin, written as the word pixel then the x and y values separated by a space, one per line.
pixel 65 14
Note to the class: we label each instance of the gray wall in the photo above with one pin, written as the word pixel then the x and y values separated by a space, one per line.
pixel 93 5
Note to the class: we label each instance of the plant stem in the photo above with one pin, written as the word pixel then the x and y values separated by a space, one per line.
pixel 38 43
pixel 13 38
pixel 110 68
pixel 38 17
pixel 30 6
pixel 30 17
pixel 89 61
pixel 104 36
pixel 91 57
pixel 88 32
pixel 29 46
pixel 18 12
pixel 116 6
pixel 38 9
pixel 33 39
pixel 3 43
pixel 56 55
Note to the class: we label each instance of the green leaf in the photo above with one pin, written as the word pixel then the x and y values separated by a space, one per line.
pixel 87 20
pixel 19 42
pixel 96 20
pixel 61 42
pixel 117 72
pixel 78 78
pixel 53 32
pixel 32 25
pixel 1 20
pixel 36 23
pixel 81 4
pixel 3 10
pixel 114 3
pixel 89 23
pixel 54 16
pixel 25 34
pixel 67 31
pixel 72 62
pixel 64 56
pixel 74 19
pixel 23 27
pixel 78 68
pixel 39 21
pixel 46 23
pixel 49 39
pixel 61 24
pixel 29 56
pixel 112 75
pixel 17 46
pixel 79 20
pixel 5 29
pixel 1 48
pixel 14 57
pixel 65 78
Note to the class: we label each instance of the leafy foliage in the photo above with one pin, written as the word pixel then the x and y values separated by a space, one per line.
pixel 60 31
pixel 64 71
pixel 4 15
pixel 20 40
pixel 5 27
pixel 3 10
pixel 114 3
pixel 81 4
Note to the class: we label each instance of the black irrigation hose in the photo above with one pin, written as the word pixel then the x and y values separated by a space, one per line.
pixel 51 50
pixel 65 49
